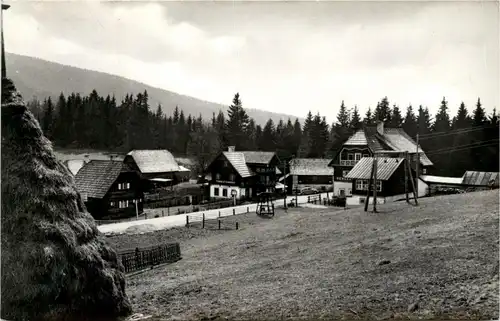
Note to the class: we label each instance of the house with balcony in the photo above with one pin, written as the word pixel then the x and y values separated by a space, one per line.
pixel 243 174
pixel 367 141
pixel 110 189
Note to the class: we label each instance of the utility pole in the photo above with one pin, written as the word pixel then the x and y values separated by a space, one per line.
pixel 4 68
pixel 375 168
pixel 406 177
pixel 369 186
pixel 417 167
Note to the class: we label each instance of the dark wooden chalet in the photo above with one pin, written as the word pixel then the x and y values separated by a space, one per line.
pixel 309 172
pixel 158 169
pixel 244 174
pixel 364 143
pixel 390 179
pixel 110 189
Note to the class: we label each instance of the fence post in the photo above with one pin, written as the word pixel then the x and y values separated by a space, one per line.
pixel 234 212
pixel 308 199
pixel 168 211
pixel 219 224
pixel 162 213
pixel 203 223
pixel 320 198
pixel 237 225
pixel 248 210
pixel 187 220
pixel 219 213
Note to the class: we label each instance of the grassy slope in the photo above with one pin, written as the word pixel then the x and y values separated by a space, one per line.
pixel 313 263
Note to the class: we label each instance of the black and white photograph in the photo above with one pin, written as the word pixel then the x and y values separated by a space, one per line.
pixel 215 160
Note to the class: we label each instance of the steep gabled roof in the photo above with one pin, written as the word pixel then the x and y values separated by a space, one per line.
pixel 393 139
pixel 310 166
pixel 96 177
pixel 237 160
pixel 399 140
pixel 255 157
pixel 154 161
pixel 385 168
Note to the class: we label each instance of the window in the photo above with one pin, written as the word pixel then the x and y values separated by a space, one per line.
pixel 349 191
pixel 344 173
pixel 424 171
pixel 231 177
pixel 226 164
pixel 366 155
pixel 217 176
pixel 123 204
pixel 224 192
pixel 358 156
pixel 361 200
pixel 262 179
pixel 362 185
pixel 350 156
pixel 216 191
pixel 112 204
pixel 123 186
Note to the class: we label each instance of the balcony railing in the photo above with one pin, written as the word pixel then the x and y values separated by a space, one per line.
pixel 344 162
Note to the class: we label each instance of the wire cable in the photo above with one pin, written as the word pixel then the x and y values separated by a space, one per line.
pixel 487 143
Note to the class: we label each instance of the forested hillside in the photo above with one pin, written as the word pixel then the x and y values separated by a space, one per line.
pixel 42 79
pixel 466 141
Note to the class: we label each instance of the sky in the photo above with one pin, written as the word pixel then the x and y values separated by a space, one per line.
pixel 287 57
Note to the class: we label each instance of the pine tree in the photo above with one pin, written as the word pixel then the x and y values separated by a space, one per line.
pixel 297 135
pixel 423 121
pixel 343 116
pixel 462 120
pixel 355 119
pixel 442 122
pixel 396 120
pixel 369 118
pixel 236 124
pixel 48 118
pixel 410 122
pixel 176 115
pixel 60 122
pixel 268 140
pixel 383 111
pixel 479 114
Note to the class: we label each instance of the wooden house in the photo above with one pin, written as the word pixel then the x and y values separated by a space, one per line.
pixel 390 180
pixel 364 143
pixel 158 168
pixel 110 189
pixel 244 173
pixel 309 172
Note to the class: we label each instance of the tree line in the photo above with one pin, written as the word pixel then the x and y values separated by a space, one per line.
pixel 454 144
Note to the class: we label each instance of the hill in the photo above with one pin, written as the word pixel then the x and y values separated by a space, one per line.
pixel 41 78
pixel 435 261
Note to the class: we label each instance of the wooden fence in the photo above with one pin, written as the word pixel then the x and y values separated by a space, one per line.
pixel 149 257
pixel 200 221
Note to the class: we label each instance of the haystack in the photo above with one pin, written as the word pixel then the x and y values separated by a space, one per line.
pixel 55 264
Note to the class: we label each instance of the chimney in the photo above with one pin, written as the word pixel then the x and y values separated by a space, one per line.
pixel 380 128
pixel 231 148
pixel 86 158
